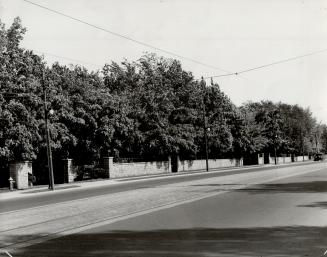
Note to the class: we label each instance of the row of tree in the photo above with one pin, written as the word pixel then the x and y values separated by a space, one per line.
pixel 148 109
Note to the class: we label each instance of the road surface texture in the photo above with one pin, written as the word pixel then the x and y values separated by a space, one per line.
pixel 263 212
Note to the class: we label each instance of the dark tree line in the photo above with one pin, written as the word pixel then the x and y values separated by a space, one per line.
pixel 149 109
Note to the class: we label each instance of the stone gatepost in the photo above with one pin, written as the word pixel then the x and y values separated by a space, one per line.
pixel 169 164
pixel 239 162
pixel 19 173
pixel 69 173
pixel 108 165
pixel 174 161
pixel 261 160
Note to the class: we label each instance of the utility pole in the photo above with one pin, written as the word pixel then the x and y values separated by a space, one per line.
pixel 49 153
pixel 275 149
pixel 302 144
pixel 316 136
pixel 203 84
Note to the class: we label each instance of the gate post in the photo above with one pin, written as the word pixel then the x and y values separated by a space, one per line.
pixel 108 165
pixel 19 173
pixel 69 174
pixel 174 163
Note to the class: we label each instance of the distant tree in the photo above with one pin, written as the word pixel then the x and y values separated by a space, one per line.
pixel 249 135
pixel 219 113
pixel 289 128
pixel 297 125
pixel 268 117
pixel 324 139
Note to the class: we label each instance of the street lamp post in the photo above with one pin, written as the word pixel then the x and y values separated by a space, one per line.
pixel 302 141
pixel 49 153
pixel 275 149
pixel 203 84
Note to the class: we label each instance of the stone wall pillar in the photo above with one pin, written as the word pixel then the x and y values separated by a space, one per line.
pixel 108 165
pixel 69 173
pixel 169 164
pixel 239 162
pixel 174 163
pixel 266 158
pixel 261 158
pixel 19 173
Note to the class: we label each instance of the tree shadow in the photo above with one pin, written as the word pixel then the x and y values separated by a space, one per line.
pixel 322 205
pixel 198 242
pixel 300 187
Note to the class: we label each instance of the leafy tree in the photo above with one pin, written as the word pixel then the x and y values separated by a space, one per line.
pixel 297 126
pixel 249 136
pixel 324 139
pixel 19 99
pixel 219 113
pixel 286 127
pixel 268 117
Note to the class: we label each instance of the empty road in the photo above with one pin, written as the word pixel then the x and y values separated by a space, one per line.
pixel 257 212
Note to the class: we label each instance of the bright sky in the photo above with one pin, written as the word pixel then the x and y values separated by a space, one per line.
pixel 230 34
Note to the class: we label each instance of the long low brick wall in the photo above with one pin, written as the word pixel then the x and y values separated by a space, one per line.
pixel 120 170
pixel 281 160
pixel 189 165
pixel 284 159
pixel 302 158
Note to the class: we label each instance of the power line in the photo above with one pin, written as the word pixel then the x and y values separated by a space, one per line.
pixel 126 37
pixel 228 73
pixel 67 58
pixel 267 65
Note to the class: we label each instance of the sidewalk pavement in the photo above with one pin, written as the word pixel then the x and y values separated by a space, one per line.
pixel 79 185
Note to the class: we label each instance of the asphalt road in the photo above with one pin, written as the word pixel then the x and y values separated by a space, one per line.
pixel 275 212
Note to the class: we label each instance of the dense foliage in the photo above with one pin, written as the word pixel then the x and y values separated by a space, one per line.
pixel 149 109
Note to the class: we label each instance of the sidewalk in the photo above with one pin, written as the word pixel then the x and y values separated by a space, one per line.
pixel 79 185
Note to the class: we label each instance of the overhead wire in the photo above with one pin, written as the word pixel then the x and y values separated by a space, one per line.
pixel 68 58
pixel 266 65
pixel 126 37
pixel 227 73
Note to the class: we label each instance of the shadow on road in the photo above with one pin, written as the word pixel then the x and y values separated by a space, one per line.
pixel 198 242
pixel 322 205
pixel 301 187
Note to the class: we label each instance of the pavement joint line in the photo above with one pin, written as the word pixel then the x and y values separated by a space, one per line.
pixel 117 218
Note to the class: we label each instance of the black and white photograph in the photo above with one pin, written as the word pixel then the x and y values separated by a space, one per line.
pixel 163 128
